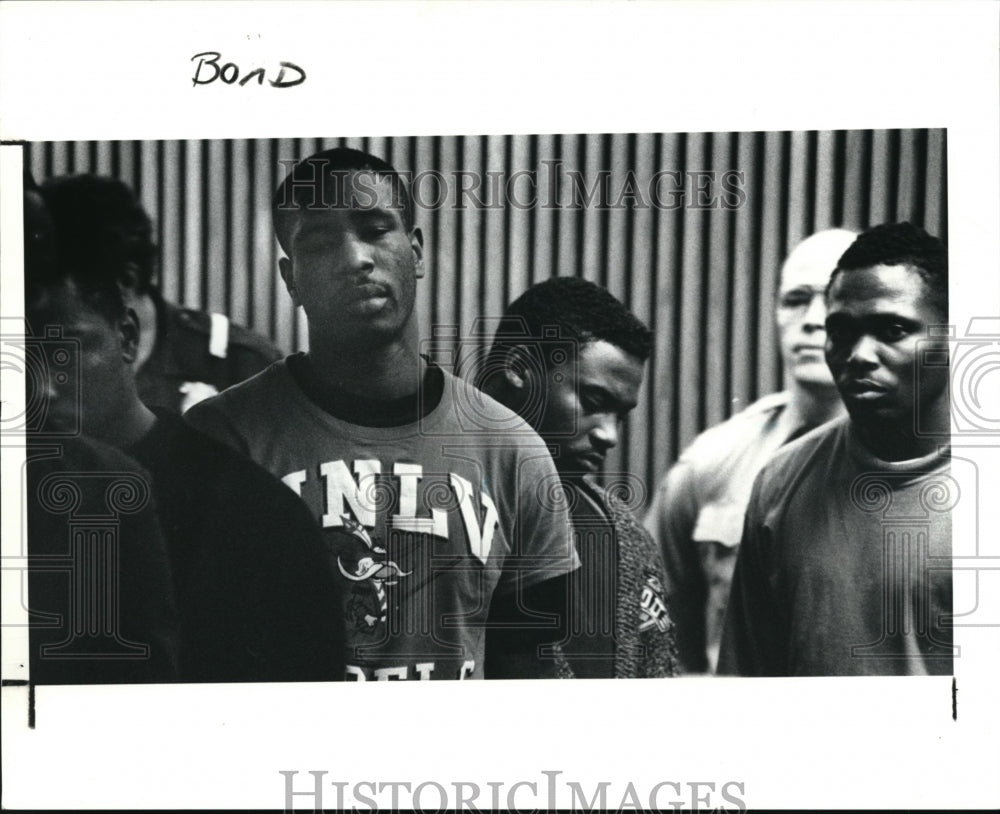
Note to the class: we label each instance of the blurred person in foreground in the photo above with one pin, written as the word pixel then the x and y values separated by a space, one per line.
pixel 252 583
pixel 184 355
pixel 696 514
pixel 101 604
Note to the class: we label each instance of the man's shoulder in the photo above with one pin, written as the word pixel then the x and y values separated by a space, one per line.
pixel 755 415
pixel 80 454
pixel 245 410
pixel 270 382
pixel 740 431
pixel 212 329
pixel 802 457
pixel 207 460
pixel 479 414
pixel 248 341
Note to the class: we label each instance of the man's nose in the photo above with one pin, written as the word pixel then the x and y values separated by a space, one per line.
pixel 358 253
pixel 815 316
pixel 864 352
pixel 604 433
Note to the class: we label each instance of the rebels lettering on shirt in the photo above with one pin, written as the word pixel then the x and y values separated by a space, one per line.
pixel 404 672
pixel 357 492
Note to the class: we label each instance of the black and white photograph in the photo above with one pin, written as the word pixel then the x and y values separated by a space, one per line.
pixel 539 400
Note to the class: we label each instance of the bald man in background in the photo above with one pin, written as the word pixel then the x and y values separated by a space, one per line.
pixel 697 511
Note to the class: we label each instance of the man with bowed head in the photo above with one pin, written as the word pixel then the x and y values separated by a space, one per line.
pixel 569 357
pixel 697 512
pixel 436 530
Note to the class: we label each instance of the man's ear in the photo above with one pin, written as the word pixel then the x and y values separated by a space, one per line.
pixel 517 368
pixel 417 244
pixel 285 267
pixel 128 334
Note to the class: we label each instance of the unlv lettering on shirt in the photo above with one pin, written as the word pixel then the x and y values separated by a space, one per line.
pixel 358 494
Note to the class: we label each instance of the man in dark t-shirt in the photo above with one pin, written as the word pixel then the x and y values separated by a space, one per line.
pixel 845 563
pixel 101 602
pixel 101 606
pixel 255 591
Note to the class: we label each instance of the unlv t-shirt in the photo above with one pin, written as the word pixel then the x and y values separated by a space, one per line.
pixel 424 522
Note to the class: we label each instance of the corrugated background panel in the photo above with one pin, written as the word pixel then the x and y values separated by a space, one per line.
pixel 703 278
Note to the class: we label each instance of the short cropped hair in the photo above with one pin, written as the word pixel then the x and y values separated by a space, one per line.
pixel 897 244
pixel 306 186
pixel 102 229
pixel 570 308
pixel 98 227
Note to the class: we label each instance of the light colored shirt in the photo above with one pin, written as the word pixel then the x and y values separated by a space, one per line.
pixel 425 522
pixel 697 518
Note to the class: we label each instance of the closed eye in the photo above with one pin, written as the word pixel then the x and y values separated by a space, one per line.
pixel 380 226
pixel 796 299
pixel 375 223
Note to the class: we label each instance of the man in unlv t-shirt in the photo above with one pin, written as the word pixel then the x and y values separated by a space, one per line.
pixel 425 489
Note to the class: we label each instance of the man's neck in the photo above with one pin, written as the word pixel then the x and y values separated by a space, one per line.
pixel 810 407
pixel 384 372
pixel 900 440
pixel 131 426
pixel 889 443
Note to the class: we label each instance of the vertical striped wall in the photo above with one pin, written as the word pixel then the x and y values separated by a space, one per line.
pixel 702 275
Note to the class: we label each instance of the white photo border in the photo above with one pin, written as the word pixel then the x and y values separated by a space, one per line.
pixel 124 71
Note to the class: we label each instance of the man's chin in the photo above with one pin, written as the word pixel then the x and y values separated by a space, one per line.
pixel 873 414
pixel 58 424
pixel 577 470
pixel 814 377
pixel 573 472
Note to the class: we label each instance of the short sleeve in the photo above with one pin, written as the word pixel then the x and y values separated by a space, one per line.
pixel 209 418
pixel 541 537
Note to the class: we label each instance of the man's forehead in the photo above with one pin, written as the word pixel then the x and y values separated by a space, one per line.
pixel 61 294
pixel 354 199
pixel 348 188
pixel 900 285
pixel 61 304
pixel 806 275
pixel 813 260
pixel 604 363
